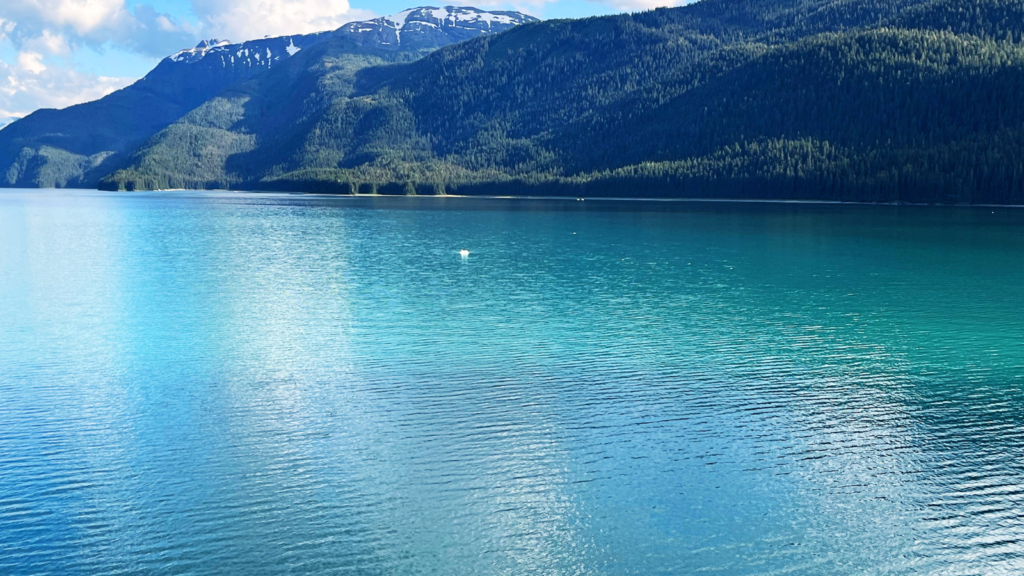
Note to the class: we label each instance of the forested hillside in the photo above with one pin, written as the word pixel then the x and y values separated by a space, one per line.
pixel 867 100
pixel 78 145
pixel 904 100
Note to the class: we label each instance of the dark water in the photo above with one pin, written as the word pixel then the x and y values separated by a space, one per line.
pixel 239 384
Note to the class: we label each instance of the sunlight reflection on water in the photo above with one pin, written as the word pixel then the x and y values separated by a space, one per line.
pixel 233 383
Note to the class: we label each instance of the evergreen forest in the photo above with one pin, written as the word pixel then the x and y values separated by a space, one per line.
pixel 916 101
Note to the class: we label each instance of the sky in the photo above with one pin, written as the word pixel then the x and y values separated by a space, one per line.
pixel 56 53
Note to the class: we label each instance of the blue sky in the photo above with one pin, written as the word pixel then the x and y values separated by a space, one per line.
pixel 55 53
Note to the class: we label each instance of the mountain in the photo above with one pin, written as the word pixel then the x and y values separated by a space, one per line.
pixel 6 121
pixel 869 100
pixel 430 28
pixel 78 145
pixel 866 100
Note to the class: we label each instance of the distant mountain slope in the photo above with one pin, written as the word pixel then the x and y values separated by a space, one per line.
pixel 78 145
pixel 898 100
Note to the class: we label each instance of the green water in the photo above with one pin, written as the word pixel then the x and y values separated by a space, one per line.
pixel 256 384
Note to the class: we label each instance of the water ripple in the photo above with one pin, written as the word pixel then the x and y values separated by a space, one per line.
pixel 230 383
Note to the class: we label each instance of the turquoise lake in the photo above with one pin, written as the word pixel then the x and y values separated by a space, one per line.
pixel 250 384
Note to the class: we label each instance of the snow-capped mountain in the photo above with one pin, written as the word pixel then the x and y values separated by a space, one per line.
pixel 95 138
pixel 428 27
pixel 254 54
pixel 416 29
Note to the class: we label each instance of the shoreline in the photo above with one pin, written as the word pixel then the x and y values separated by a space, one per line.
pixel 541 198
pixel 632 199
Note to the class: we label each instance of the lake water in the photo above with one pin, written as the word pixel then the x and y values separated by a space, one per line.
pixel 269 384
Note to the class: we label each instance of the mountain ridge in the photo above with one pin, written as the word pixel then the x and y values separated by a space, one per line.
pixel 846 100
pixel 803 99
pixel 78 145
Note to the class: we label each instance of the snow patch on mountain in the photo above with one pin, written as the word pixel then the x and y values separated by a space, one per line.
pixel 421 28
pixel 200 50
pixel 447 16
pixel 398 20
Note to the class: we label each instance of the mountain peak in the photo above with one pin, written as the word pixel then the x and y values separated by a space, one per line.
pixel 199 51
pixel 105 133
pixel 428 27
pixel 452 15
pixel 212 43
pixel 422 28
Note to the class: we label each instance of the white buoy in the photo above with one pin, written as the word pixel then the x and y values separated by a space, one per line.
pixel 464 253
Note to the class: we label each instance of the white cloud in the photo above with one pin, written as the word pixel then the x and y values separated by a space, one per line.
pixel 31 62
pixel 5 28
pixel 248 19
pixel 48 43
pixel 46 34
pixel 165 24
pixel 84 16
pixel 30 85
pixel 93 23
